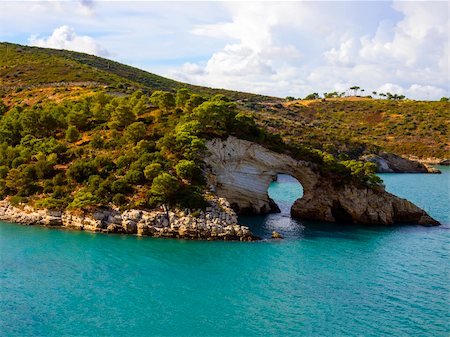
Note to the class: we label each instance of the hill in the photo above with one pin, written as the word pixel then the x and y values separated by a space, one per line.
pixel 24 67
pixel 351 127
pixel 345 127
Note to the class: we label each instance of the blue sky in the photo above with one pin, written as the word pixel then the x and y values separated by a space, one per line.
pixel 275 48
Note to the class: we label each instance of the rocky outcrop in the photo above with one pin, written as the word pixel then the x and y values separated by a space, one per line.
pixel 218 222
pixel 240 171
pixel 445 162
pixel 391 163
pixel 353 204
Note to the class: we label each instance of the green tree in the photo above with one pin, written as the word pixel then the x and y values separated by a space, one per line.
pixel 153 170
pixel 193 102
pixel 163 100
pixel 99 113
pixel 141 106
pixel 135 132
pixel 314 95
pixel 182 97
pixel 83 198
pixel 186 169
pixel 216 117
pixel 164 189
pixel 79 115
pixel 331 94
pixel 122 116
pixel 72 134
pixel 81 170
pixel 355 89
pixel 37 122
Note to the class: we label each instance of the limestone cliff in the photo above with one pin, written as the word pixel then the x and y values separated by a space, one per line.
pixel 240 171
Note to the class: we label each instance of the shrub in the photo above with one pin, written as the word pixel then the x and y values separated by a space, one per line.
pixel 135 132
pixel 83 199
pixel 152 170
pixel 72 134
pixel 186 169
pixel 119 199
pixel 81 170
pixel 50 203
pixel 120 186
pixel 16 200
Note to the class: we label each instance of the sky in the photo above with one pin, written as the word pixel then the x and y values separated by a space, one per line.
pixel 275 48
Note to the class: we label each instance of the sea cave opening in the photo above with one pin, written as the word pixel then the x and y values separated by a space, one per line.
pixel 284 190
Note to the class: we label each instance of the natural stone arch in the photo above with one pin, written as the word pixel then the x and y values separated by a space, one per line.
pixel 241 172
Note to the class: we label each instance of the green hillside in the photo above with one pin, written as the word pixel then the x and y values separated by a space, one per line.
pixel 351 127
pixel 345 127
pixel 24 66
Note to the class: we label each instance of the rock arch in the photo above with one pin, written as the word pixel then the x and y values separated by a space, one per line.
pixel 241 171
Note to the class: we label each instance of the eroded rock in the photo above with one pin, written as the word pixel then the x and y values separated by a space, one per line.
pixel 391 163
pixel 241 171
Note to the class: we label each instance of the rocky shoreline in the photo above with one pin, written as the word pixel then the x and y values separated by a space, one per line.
pixel 218 222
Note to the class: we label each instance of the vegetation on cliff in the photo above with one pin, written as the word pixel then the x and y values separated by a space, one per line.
pixel 135 151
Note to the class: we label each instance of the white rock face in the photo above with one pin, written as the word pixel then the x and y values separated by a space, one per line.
pixel 240 171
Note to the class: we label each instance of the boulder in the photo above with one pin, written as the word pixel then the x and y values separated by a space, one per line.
pixel 276 235
pixel 391 163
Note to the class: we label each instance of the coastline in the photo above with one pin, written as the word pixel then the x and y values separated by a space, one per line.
pixel 218 222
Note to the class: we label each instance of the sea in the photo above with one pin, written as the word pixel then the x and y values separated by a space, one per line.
pixel 320 280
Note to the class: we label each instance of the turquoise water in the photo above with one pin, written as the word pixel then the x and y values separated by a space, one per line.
pixel 322 280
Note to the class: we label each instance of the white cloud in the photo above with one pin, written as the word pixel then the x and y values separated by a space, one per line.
pixel 192 69
pixel 64 37
pixel 85 7
pixel 274 48
pixel 413 91
pixel 254 59
pixel 406 49
pixel 392 88
pixel 343 55
pixel 425 91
